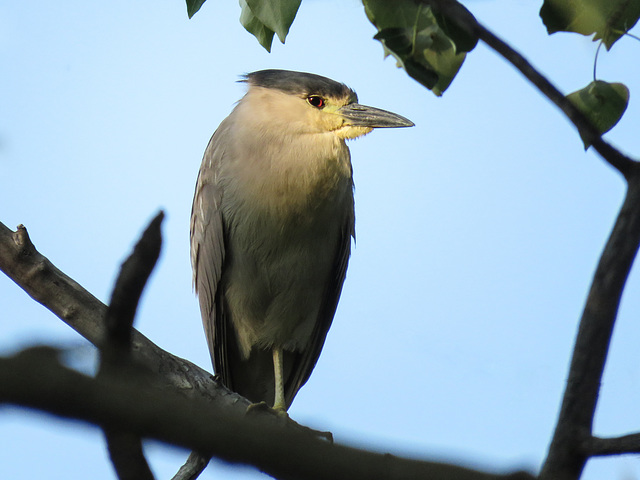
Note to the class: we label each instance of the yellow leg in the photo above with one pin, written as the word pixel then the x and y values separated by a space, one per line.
pixel 278 370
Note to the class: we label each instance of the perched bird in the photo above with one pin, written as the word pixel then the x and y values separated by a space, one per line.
pixel 271 227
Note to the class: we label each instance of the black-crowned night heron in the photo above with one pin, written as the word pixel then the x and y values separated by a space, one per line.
pixel 271 228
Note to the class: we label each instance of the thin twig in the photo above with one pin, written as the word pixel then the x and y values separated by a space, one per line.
pixel 624 164
pixel 193 467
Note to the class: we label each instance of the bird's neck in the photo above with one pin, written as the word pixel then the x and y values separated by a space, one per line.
pixel 309 172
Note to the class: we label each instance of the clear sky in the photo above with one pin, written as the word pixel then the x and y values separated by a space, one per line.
pixel 478 229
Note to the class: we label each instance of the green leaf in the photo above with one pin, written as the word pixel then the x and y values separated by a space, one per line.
pixel 464 41
pixel 193 6
pixel 400 40
pixel 428 78
pixel 608 19
pixel 253 25
pixel 411 33
pixel 276 15
pixel 602 103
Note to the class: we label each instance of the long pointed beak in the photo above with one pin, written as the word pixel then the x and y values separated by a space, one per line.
pixel 363 116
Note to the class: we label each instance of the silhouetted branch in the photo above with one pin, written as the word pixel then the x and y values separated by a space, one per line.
pixel 125 448
pixel 35 380
pixel 597 446
pixel 127 456
pixel 133 276
pixel 565 459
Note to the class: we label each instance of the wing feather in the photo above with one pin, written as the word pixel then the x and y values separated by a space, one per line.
pixel 208 247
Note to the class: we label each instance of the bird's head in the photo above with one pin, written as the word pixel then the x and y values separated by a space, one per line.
pixel 307 103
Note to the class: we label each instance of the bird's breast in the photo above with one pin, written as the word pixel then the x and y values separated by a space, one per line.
pixel 285 219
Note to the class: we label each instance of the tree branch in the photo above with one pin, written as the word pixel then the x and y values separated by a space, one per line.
pixel 193 467
pixel 624 164
pixel 70 302
pixel 65 298
pixel 466 21
pixel 133 276
pixel 127 456
pixel 597 446
pixel 35 379
pixel 125 448
pixel 212 421
pixel 566 459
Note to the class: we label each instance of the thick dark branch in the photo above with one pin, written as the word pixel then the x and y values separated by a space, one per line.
pixel 566 459
pixel 215 424
pixel 596 446
pixel 35 380
pixel 458 14
pixel 125 448
pixel 133 276
pixel 127 456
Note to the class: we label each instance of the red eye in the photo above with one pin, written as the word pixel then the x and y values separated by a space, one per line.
pixel 316 101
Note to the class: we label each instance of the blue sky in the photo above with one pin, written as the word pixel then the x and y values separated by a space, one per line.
pixel 478 229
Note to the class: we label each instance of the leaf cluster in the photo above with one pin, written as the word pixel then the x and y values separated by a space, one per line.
pixel 428 45
pixel 262 18
pixel 431 38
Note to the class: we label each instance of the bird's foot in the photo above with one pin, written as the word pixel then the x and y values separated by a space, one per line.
pixel 263 407
pixel 258 407
pixel 282 416
pixel 281 412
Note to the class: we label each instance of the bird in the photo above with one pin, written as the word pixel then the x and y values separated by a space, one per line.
pixel 271 227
